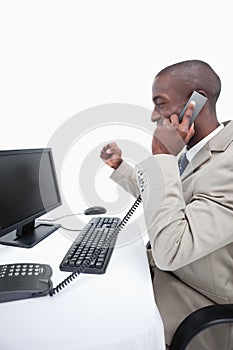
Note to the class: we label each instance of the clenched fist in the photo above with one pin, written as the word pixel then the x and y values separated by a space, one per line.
pixel 111 155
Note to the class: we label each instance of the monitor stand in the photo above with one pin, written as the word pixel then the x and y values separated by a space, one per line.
pixel 28 235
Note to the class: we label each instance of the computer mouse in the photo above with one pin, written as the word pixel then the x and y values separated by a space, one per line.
pixel 95 210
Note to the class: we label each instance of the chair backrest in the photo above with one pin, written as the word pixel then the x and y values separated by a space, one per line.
pixel 198 321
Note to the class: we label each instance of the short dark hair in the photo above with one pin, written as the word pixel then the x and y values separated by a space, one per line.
pixel 194 75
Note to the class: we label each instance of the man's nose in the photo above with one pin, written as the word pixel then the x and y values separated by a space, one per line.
pixel 155 116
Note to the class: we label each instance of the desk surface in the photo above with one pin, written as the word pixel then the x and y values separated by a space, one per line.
pixel 95 312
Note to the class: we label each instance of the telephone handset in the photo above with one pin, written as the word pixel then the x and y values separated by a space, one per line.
pixel 24 280
pixel 200 100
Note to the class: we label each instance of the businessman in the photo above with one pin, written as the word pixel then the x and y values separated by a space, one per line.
pixel 188 210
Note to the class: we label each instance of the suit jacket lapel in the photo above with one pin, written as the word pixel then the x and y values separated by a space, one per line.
pixel 217 144
pixel 201 157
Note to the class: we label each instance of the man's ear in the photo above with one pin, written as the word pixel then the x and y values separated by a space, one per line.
pixel 202 92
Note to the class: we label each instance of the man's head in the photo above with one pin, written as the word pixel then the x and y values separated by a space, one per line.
pixel 174 85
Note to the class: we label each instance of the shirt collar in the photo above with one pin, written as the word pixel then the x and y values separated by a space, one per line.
pixel 196 148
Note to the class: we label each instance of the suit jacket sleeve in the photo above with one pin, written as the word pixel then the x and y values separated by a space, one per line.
pixel 180 233
pixel 125 176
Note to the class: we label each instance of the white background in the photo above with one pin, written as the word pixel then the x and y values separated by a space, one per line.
pixel 59 58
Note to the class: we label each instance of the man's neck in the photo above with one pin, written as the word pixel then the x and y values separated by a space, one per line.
pixel 201 134
pixel 191 152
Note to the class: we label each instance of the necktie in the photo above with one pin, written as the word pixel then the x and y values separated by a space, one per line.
pixel 183 162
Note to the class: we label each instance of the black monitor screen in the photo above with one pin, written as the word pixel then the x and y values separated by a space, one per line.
pixel 28 187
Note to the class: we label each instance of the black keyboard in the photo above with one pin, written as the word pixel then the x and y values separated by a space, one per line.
pixel 92 249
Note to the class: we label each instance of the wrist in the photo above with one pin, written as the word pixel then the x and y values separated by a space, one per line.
pixel 159 150
pixel 116 165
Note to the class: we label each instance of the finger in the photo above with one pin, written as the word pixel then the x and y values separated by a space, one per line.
pixel 190 133
pixel 111 147
pixel 188 115
pixel 107 151
pixel 174 120
pixel 106 147
pixel 103 155
pixel 112 150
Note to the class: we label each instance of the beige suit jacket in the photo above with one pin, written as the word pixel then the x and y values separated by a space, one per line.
pixel 190 225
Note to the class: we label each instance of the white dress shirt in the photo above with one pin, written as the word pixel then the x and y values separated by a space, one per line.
pixel 196 148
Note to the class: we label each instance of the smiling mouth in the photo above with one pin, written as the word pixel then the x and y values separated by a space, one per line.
pixel 159 122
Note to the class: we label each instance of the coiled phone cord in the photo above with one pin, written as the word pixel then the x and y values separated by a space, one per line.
pixel 96 253
pixel 129 214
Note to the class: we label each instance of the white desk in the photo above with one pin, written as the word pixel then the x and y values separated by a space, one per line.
pixel 113 311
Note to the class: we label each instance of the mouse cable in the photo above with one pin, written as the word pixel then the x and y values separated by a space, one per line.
pixel 60 217
pixel 69 229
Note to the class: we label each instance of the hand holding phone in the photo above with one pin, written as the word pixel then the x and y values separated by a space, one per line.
pixel 172 140
pixel 199 100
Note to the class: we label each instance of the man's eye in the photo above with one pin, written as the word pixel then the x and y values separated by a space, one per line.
pixel 159 105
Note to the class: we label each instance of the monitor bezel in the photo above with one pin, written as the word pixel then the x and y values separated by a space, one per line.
pixel 25 221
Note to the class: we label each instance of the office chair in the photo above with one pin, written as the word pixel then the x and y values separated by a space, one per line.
pixel 198 321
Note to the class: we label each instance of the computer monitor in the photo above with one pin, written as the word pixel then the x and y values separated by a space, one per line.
pixel 28 189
